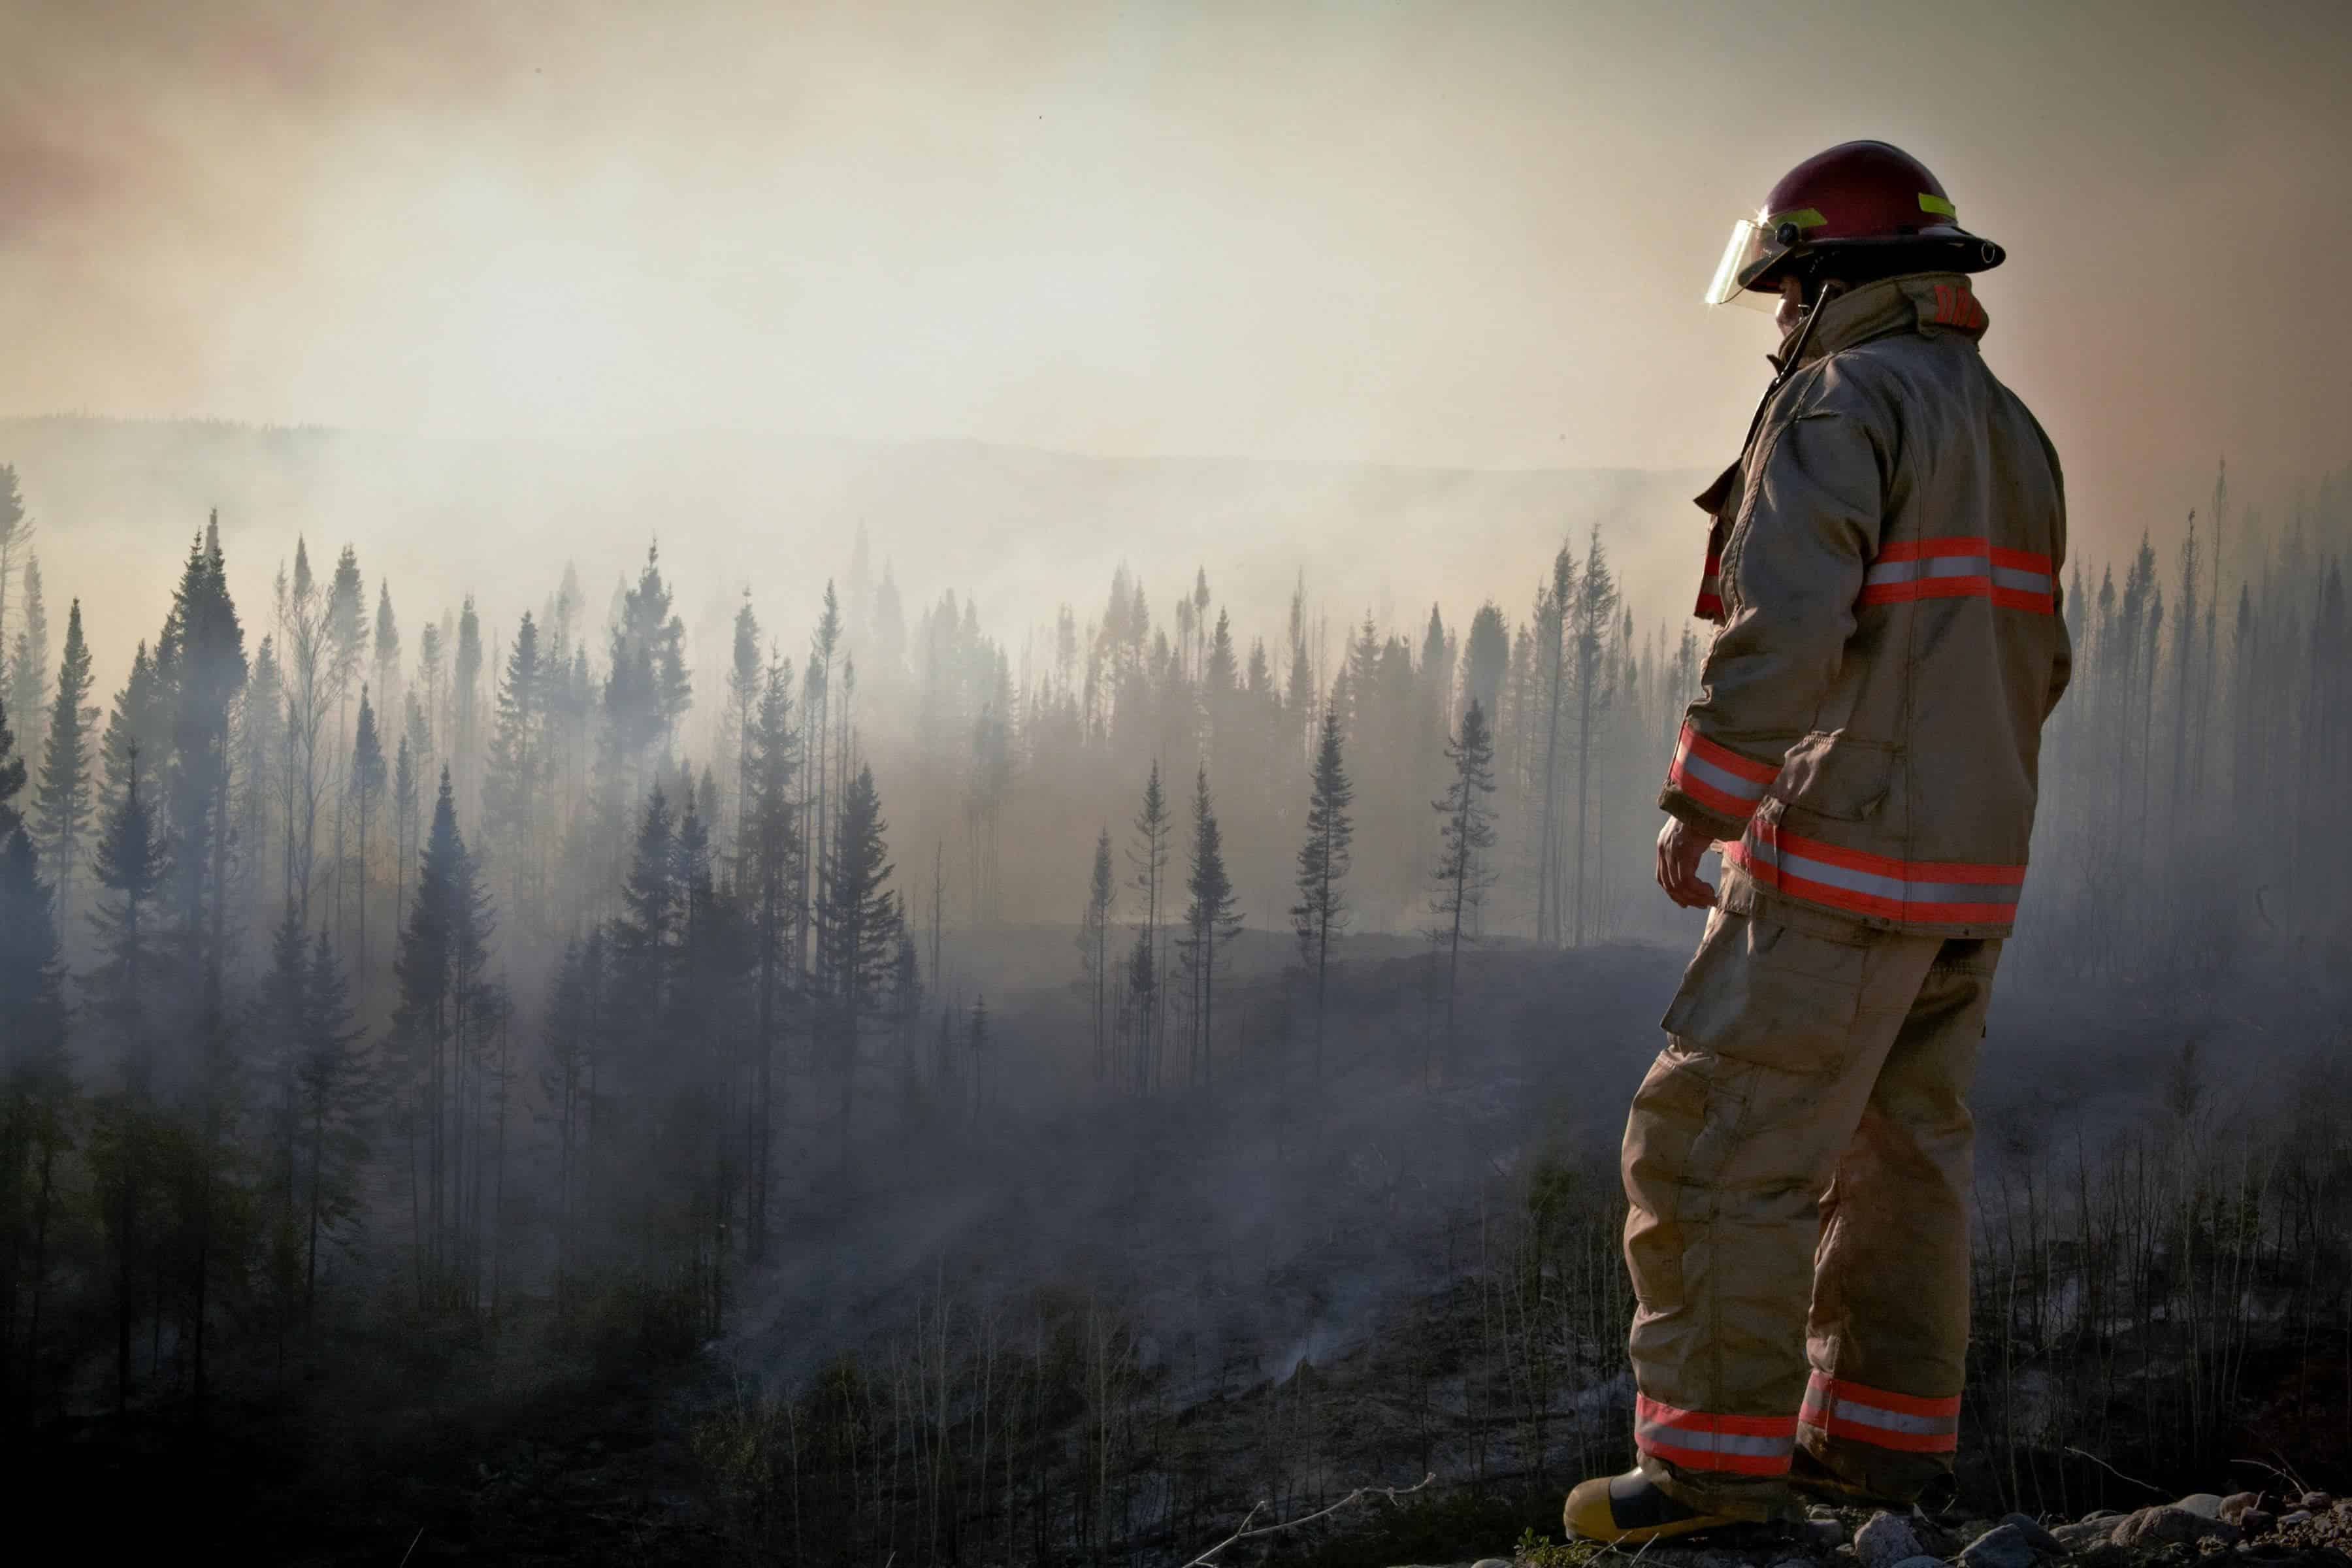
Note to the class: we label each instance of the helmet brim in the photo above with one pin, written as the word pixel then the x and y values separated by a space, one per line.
pixel 1941 248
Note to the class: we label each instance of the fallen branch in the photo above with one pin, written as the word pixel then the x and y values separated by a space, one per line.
pixel 1245 1532
pixel 2286 1475
pixel 2116 1473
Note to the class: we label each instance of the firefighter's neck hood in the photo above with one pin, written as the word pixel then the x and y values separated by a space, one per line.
pixel 1927 302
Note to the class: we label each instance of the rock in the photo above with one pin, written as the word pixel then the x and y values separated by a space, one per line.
pixel 1922 1560
pixel 2167 1526
pixel 2004 1546
pixel 2204 1505
pixel 1886 1540
pixel 1825 1534
pixel 2298 1516
pixel 2255 1522
pixel 1796 1563
pixel 2237 1503
pixel 2318 1502
pixel 2040 1539
pixel 2084 1533
pixel 1492 1563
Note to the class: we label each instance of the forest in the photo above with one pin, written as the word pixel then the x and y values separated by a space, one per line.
pixel 935 1091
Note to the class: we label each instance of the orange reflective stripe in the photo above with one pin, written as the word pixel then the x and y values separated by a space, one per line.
pixel 1718 777
pixel 1704 1440
pixel 1908 1422
pixel 1919 892
pixel 1969 566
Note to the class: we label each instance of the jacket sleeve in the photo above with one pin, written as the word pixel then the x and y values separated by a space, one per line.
pixel 1792 570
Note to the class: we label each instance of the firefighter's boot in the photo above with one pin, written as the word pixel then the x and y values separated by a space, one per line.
pixel 1630 1509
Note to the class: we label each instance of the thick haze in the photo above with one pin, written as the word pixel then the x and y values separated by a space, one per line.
pixel 1442 234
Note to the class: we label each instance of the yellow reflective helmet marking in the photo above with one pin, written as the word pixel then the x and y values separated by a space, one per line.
pixel 1932 204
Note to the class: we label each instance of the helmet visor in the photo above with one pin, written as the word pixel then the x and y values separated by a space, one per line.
pixel 1750 244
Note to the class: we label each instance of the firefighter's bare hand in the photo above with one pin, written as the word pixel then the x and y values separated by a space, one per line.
pixel 1681 847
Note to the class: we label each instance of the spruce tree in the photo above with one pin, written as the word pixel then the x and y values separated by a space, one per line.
pixel 857 929
pixel 1149 859
pixel 1093 951
pixel 1595 616
pixel 512 788
pixel 65 801
pixel 367 792
pixel 336 1098
pixel 131 862
pixel 1466 840
pixel 770 874
pixel 36 1106
pixel 1323 864
pixel 1210 923
pixel 28 685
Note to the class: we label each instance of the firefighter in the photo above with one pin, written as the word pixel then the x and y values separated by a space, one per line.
pixel 1883 567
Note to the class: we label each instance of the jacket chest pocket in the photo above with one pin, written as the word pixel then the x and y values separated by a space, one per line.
pixel 1839 777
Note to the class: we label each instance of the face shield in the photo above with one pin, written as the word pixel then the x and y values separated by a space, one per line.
pixel 1750 245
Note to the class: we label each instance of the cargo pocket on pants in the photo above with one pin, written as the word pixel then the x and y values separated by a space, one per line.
pixel 1760 992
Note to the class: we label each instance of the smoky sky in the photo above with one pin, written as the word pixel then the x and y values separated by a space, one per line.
pixel 1459 233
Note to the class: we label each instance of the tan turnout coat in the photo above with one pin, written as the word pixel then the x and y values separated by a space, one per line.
pixel 1866 738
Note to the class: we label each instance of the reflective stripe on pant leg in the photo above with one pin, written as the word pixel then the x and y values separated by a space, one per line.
pixel 1701 1440
pixel 1888 1332
pixel 1885 1419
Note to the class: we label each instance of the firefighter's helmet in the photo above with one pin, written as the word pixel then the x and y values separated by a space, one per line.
pixel 1859 196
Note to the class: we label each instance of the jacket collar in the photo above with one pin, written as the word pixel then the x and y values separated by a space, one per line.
pixel 1923 302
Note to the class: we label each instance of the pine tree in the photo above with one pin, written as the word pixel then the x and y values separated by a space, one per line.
pixel 367 790
pixel 1465 839
pixel 1210 923
pixel 260 741
pixel 12 778
pixel 405 820
pixel 1323 863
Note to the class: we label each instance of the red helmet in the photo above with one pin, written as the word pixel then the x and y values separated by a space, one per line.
pixel 1857 196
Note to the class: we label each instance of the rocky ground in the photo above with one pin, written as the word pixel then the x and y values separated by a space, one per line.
pixel 2308 1529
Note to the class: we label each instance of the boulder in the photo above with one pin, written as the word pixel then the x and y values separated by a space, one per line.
pixel 2237 1503
pixel 2255 1522
pixel 2167 1526
pixel 2083 1533
pixel 1886 1540
pixel 2204 1505
pixel 1922 1560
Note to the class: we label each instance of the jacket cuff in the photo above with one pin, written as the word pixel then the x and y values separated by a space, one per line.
pixel 1712 787
pixel 1719 829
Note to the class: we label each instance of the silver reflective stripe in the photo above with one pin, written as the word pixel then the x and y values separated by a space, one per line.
pixel 2027 581
pixel 1894 1420
pixel 1892 888
pixel 1730 784
pixel 1713 1442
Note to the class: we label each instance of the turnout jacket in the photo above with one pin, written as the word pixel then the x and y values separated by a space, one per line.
pixel 1884 566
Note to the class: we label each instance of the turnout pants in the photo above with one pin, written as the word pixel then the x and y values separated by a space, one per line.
pixel 1798 1167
